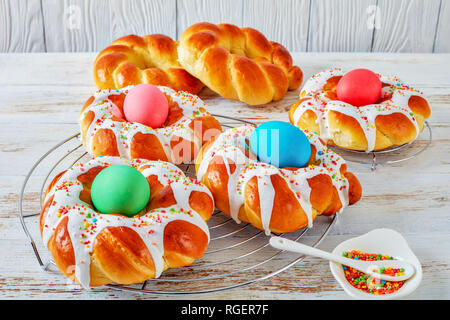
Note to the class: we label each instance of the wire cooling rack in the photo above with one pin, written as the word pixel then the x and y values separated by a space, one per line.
pixel 392 155
pixel 238 254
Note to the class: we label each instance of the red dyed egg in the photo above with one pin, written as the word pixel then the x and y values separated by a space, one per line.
pixel 146 104
pixel 359 87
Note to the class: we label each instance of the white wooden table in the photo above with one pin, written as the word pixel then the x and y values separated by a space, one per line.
pixel 40 98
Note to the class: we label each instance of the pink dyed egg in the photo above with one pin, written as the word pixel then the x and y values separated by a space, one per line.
pixel 359 87
pixel 146 104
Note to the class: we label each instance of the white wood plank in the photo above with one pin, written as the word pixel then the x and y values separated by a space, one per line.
pixel 340 25
pixel 441 42
pixel 283 21
pixel 214 11
pixel 142 17
pixel 425 65
pixel 406 25
pixel 76 25
pixel 21 26
pixel 74 69
pixel 334 25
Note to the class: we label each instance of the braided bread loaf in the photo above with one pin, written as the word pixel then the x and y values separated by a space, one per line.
pixel 152 59
pixel 239 64
pixel 96 249
pixel 270 198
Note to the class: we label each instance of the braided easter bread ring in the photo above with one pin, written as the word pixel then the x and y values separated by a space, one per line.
pixel 152 59
pixel 270 198
pixel 395 119
pixel 239 64
pixel 95 249
pixel 187 127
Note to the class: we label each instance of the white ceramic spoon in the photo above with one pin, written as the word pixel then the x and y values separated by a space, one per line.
pixel 363 266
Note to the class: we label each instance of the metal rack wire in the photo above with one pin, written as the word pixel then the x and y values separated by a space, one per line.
pixel 390 155
pixel 238 254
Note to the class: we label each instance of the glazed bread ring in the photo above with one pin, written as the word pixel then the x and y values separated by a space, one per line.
pixel 105 132
pixel 152 59
pixel 239 64
pixel 395 119
pixel 270 198
pixel 95 249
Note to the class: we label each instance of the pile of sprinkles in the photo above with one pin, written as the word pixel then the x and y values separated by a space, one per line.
pixel 370 284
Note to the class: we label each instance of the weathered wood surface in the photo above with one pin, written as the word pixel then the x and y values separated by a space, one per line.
pixel 41 98
pixel 300 25
pixel 397 34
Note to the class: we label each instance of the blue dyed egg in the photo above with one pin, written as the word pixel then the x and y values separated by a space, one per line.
pixel 280 144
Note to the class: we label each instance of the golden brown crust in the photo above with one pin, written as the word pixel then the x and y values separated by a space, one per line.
pixel 287 214
pixel 238 63
pixel 346 130
pixel 183 243
pixel 216 180
pixel 122 256
pixel 355 189
pixel 201 203
pixel 104 143
pixel 421 109
pixel 131 60
pixel 206 127
pixel 396 127
pixel 147 146
pixel 60 246
pixel 119 254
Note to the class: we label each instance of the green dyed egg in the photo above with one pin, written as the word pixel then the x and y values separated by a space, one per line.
pixel 120 189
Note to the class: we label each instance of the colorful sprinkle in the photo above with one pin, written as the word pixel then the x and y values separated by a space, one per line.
pixel 367 283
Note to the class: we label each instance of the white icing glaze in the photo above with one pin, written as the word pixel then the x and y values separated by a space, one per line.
pixel 230 145
pixel 365 115
pixel 84 223
pixel 102 107
pixel 267 196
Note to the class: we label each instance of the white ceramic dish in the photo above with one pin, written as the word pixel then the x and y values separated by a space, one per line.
pixel 383 241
